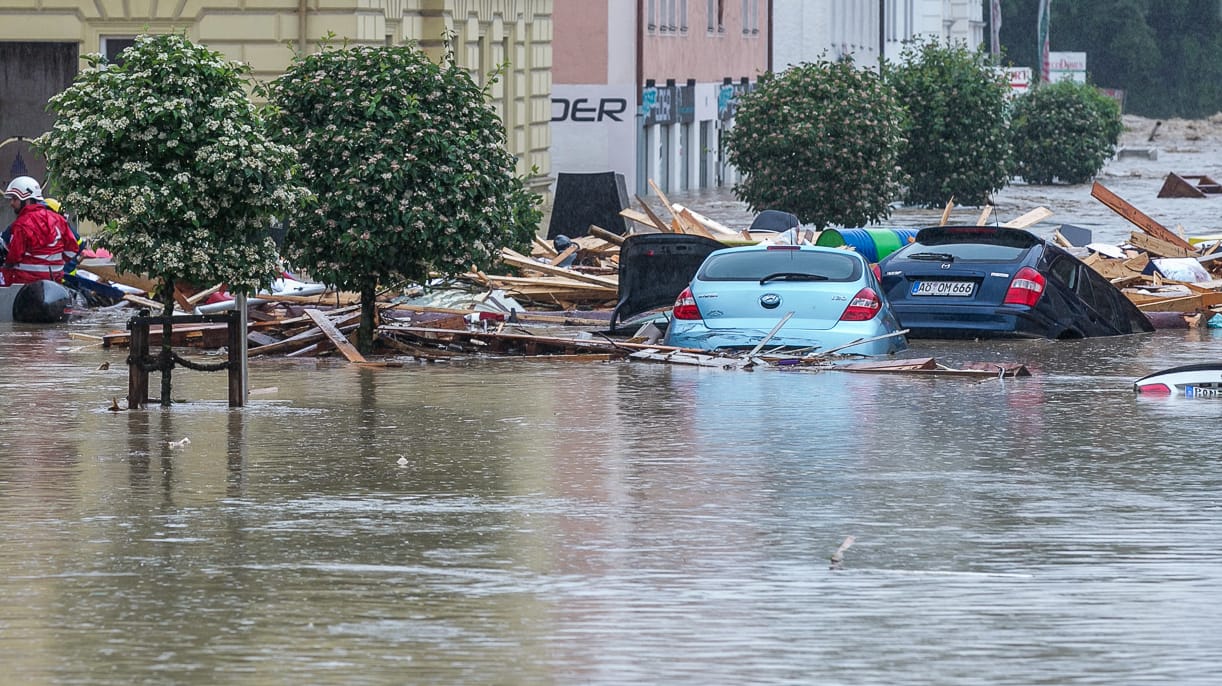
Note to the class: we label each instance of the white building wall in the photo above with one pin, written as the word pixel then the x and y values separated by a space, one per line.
pixel 809 30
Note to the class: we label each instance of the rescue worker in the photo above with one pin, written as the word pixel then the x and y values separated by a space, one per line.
pixel 70 261
pixel 41 239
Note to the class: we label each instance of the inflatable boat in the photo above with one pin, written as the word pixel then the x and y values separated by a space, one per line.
pixel 40 302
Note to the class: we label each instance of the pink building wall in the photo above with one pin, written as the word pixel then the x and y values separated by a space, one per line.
pixel 738 48
pixel 579 41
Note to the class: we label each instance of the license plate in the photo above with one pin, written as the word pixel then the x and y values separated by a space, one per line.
pixel 955 288
pixel 1202 392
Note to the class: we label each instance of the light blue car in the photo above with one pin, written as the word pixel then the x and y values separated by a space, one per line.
pixel 821 298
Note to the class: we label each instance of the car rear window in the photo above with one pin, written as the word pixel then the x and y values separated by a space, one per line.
pixel 988 245
pixel 753 265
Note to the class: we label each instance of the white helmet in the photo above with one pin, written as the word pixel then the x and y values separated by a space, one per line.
pixel 23 188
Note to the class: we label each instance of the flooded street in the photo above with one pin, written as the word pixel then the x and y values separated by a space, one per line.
pixel 517 521
pixel 607 523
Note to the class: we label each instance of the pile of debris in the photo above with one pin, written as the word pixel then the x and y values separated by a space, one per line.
pixel 1160 270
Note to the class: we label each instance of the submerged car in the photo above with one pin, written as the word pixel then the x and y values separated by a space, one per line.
pixel 785 296
pixel 996 282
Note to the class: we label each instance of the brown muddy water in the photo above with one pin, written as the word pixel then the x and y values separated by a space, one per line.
pixel 512 521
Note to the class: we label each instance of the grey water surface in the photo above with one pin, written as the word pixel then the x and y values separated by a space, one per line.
pixel 517 521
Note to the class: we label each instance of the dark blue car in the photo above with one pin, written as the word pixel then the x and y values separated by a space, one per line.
pixel 989 282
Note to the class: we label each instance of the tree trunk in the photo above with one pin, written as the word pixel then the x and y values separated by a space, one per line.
pixel 167 331
pixel 364 334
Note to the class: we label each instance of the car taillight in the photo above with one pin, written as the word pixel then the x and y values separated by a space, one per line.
pixel 1154 389
pixel 1026 288
pixel 878 272
pixel 685 306
pixel 863 306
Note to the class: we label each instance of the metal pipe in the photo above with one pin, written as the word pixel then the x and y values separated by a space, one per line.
pixel 301 26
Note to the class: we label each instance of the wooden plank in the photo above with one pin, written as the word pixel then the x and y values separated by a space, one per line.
pixel 642 219
pixel 653 217
pixel 544 246
pixel 1035 216
pixel 560 257
pixel 1158 247
pixel 193 299
pixel 509 256
pixel 950 204
pixel 1190 303
pixel 341 343
pixel 691 225
pixel 984 215
pixel 599 232
pixel 1136 216
pixel 667 204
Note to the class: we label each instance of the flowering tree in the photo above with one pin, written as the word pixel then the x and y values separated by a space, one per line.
pixel 958 143
pixel 168 154
pixel 409 165
pixel 1065 132
pixel 820 140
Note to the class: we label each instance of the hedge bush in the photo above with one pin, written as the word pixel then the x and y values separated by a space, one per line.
pixel 821 140
pixel 958 143
pixel 1063 132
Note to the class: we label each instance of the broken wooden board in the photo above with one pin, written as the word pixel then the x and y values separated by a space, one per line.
pixel 1136 216
pixel 1031 218
pixel 697 359
pixel 1177 186
pixel 1189 303
pixel 341 343
pixel 930 366
pixel 509 256
pixel 1158 247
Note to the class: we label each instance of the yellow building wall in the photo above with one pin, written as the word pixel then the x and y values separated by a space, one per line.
pixel 265 34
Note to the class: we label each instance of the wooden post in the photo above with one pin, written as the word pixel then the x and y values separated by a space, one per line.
pixel 237 390
pixel 137 375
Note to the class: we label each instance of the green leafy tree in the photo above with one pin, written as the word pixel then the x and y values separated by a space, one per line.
pixel 408 161
pixel 958 144
pixel 169 156
pixel 821 140
pixel 1165 54
pixel 1063 131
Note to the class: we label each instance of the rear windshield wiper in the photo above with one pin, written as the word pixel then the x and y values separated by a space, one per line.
pixel 793 276
pixel 936 256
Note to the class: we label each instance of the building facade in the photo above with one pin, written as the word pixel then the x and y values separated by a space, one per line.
pixel 644 88
pixel 809 30
pixel 42 43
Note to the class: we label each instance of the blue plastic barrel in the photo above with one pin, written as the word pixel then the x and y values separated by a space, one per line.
pixel 857 239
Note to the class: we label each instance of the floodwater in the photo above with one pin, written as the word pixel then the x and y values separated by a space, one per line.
pixel 514 521
pixel 524 522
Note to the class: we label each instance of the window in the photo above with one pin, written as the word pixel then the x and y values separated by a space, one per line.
pixel 717 13
pixel 111 46
pixel 651 20
pixel 683 16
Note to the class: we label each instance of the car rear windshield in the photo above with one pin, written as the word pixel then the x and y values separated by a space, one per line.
pixel 963 244
pixel 753 265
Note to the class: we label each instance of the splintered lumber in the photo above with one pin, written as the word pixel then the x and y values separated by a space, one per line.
pixel 1159 247
pixel 984 215
pixel 642 219
pixel 194 299
pixel 1136 216
pixel 950 204
pixel 341 344
pixel 564 255
pixel 928 365
pixel 599 232
pixel 1035 216
pixel 670 208
pixel 1177 186
pixel 509 256
pixel 348 322
pixel 1188 303
pixel 543 246
pixel 711 225
pixel 654 219
pixel 690 224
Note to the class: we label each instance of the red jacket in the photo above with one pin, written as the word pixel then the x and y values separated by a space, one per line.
pixel 42 241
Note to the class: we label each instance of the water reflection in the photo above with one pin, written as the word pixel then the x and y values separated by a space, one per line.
pixel 561 522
